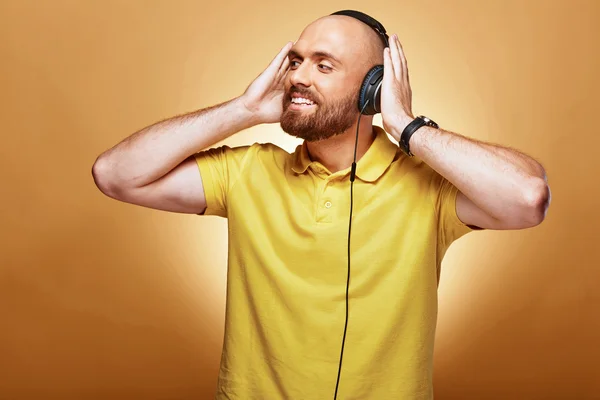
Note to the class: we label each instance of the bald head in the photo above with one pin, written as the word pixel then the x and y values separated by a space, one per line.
pixel 352 39
pixel 328 64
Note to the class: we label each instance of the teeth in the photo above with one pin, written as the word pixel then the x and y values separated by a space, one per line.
pixel 301 100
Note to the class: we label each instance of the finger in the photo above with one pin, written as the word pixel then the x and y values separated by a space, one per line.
pixel 388 66
pixel 280 57
pixel 405 77
pixel 283 69
pixel 402 59
pixel 395 57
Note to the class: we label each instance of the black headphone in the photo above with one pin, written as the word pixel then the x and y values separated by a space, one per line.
pixel 370 89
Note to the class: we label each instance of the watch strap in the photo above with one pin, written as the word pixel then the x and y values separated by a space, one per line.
pixel 411 128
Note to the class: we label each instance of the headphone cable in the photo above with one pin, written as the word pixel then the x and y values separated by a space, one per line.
pixel 352 176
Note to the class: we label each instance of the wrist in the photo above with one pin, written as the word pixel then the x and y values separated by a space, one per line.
pixel 410 135
pixel 248 116
pixel 416 139
pixel 400 125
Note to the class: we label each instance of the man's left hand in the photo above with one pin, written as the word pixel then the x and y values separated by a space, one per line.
pixel 396 95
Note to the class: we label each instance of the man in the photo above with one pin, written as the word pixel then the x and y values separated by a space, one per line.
pixel 288 217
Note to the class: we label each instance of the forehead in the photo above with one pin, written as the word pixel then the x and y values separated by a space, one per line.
pixel 344 37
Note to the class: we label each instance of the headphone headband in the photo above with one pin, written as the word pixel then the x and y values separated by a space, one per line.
pixel 372 22
pixel 369 97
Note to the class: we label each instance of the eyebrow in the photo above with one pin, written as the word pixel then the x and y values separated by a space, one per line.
pixel 316 54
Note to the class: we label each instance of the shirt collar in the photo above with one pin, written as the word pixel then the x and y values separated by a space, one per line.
pixel 369 168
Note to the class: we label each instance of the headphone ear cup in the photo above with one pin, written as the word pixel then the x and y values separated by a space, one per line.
pixel 371 90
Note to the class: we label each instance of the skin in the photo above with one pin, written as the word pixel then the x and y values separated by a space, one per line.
pixel 333 81
pixel 499 187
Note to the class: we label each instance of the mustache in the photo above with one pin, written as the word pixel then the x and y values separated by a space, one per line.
pixel 302 92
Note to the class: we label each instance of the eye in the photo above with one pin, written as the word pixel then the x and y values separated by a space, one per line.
pixel 293 64
pixel 325 67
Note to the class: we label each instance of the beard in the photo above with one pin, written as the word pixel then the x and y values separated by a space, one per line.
pixel 327 120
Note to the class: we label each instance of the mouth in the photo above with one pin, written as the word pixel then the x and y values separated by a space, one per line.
pixel 298 102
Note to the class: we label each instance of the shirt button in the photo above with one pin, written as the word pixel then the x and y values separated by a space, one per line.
pixel 328 204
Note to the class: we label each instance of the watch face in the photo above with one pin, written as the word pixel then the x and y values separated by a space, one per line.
pixel 428 121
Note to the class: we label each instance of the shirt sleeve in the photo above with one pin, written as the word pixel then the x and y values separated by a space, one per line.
pixel 220 168
pixel 443 194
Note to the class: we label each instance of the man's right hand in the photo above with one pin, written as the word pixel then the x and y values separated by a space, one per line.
pixel 264 97
pixel 155 167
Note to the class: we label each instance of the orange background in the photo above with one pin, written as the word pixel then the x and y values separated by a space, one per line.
pixel 105 300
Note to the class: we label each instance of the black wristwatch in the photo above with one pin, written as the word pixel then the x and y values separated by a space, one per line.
pixel 411 128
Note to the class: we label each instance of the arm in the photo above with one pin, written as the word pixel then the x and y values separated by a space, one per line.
pixel 499 188
pixel 155 167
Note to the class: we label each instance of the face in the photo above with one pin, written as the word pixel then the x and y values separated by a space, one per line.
pixel 320 120
pixel 322 84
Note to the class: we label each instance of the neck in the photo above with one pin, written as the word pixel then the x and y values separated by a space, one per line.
pixel 337 153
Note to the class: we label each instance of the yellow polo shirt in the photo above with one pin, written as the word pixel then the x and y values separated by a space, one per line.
pixel 287 270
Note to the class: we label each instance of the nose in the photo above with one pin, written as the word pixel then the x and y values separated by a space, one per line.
pixel 300 76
